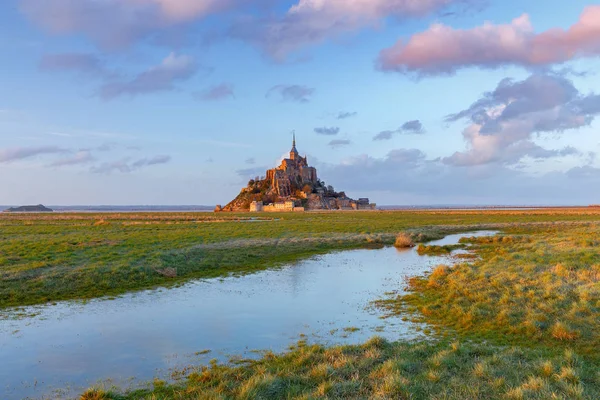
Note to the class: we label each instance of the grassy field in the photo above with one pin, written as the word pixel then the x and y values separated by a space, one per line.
pixel 520 321
pixel 536 285
pixel 382 370
pixel 52 257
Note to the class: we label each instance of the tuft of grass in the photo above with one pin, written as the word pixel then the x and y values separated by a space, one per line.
pixel 95 394
pixel 438 276
pixel 561 332
pixel 433 250
pixel 403 241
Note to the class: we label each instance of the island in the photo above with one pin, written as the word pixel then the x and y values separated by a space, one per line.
pixel 292 186
pixel 29 209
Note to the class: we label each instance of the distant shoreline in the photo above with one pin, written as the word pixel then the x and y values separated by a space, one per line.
pixel 107 208
pixel 204 208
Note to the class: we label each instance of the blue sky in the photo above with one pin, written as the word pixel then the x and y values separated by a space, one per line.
pixel 182 101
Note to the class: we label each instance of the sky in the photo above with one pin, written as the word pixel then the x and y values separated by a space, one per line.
pixel 178 102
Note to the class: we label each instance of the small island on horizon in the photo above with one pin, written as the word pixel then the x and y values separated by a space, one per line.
pixel 31 209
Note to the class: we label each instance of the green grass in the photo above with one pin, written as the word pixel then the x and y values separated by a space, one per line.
pixel 538 286
pixel 384 370
pixel 52 257
pixel 521 320
pixel 432 250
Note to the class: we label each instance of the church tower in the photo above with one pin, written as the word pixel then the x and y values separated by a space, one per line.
pixel 294 153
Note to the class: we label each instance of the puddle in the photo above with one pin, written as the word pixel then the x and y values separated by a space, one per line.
pixel 139 336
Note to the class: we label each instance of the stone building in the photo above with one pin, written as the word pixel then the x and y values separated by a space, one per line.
pixel 282 206
pixel 256 206
pixel 293 172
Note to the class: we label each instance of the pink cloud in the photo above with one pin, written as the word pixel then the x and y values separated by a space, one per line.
pixel 311 22
pixel 444 50
pixel 160 78
pixel 118 23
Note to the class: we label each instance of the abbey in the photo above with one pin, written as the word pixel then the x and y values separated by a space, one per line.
pixel 293 172
pixel 292 186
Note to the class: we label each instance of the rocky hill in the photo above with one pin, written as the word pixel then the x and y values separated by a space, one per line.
pixel 294 180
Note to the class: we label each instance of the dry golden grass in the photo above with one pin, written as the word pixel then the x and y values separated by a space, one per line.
pixel 561 332
pixel 94 394
pixel 534 284
pixel 403 241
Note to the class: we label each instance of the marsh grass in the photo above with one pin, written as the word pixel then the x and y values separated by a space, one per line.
pixel 518 321
pixel 433 250
pixel 403 241
pixel 51 257
pixel 385 370
pixel 539 286
pixel 94 394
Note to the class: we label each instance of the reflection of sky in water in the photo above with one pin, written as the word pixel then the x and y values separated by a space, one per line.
pixel 143 335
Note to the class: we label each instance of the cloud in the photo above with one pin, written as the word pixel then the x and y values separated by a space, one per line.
pixel 374 172
pixel 334 130
pixel 126 166
pixel 79 62
pixel 407 176
pixel 339 142
pixel 20 153
pixel 345 115
pixel 119 23
pixel 584 172
pixel 174 68
pixel 310 22
pixel 152 161
pixel 503 122
pixel 81 157
pixel 444 50
pixel 384 135
pixel 251 173
pixel 414 127
pixel 251 161
pixel 294 93
pixel 218 92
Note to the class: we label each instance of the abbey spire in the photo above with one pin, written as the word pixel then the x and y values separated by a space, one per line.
pixel 294 152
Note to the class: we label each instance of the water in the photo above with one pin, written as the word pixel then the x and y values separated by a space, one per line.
pixel 71 345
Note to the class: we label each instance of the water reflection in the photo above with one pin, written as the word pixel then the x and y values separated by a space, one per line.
pixel 143 335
